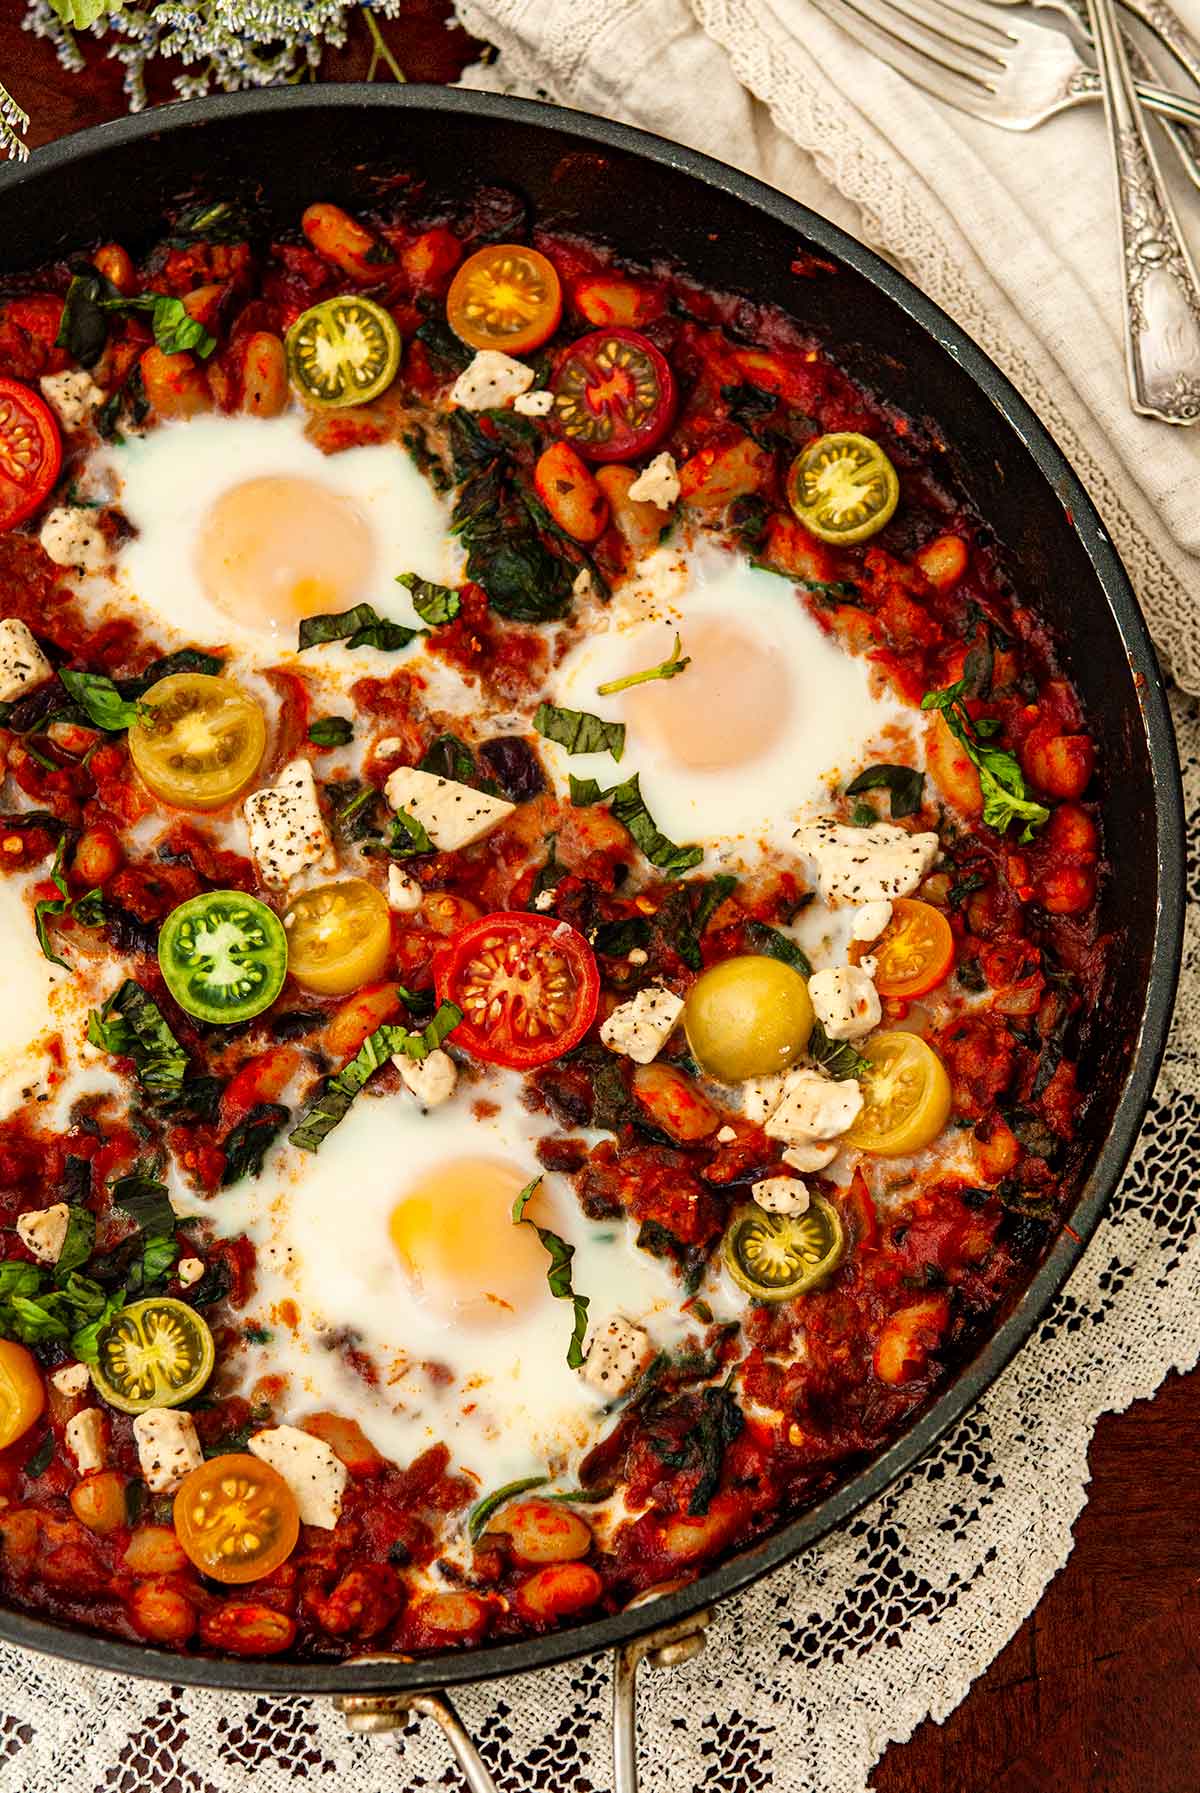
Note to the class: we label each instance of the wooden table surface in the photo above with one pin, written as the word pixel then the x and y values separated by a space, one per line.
pixel 1099 1692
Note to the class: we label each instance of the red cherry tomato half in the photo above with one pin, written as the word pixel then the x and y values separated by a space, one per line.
pixel 30 451
pixel 614 395
pixel 527 986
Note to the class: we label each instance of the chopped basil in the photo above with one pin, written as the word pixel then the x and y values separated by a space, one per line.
pixel 629 807
pixel 83 328
pixel 131 1025
pixel 353 805
pixel 1005 799
pixel 549 875
pixel 720 1423
pixel 713 895
pixel 175 330
pixel 419 1045
pixel 443 345
pixel 617 938
pixel 360 627
pixel 838 1057
pixel 666 669
pixel 85 1342
pixel 36 1312
pixel 584 791
pixel 419 1003
pixel 863 815
pixel 143 1196
pixel 482 1511
pixel 749 404
pixel 331 731
pixel 558 1275
pixel 448 757
pixel 434 604
pixel 506 554
pixel 100 700
pixel 407 837
pixel 334 1102
pixel 184 659
pixel 78 1242
pixel 904 784
pixel 579 731
pixel 39 1462
pixel 778 945
pixel 246 1145
pixel 88 909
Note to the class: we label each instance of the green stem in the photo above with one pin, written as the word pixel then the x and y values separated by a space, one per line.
pixel 380 52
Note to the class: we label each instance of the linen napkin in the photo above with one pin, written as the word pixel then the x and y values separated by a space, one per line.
pixel 1013 234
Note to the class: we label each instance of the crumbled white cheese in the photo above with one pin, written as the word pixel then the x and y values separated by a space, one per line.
pixel 43 1231
pixel 726 1135
pixel 287 829
pixel 84 1437
pixel 868 965
pixel 168 1448
pixel 870 919
pixel 189 1270
pixel 388 746
pixel 314 1474
pixel 71 537
pixel 814 1107
pixel 846 1002
pixel 22 662
pixel 491 380
pixel 583 586
pixel 72 1379
pixel 616 1357
pixel 760 1095
pixel 452 814
pixel 781 1195
pixel 866 865
pixel 811 1154
pixel 73 395
pixel 404 893
pixel 657 483
pixel 638 956
pixel 543 900
pixel 431 1079
pixel 640 1028
pixel 534 404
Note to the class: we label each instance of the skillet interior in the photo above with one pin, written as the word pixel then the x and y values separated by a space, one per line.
pixel 651 198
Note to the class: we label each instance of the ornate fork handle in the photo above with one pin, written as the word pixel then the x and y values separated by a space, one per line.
pixel 1086 84
pixel 1170 30
pixel 1162 294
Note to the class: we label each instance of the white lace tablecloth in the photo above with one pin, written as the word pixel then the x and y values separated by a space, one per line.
pixel 808 1676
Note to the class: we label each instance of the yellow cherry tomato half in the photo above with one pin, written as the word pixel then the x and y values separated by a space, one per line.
pixel 842 487
pixel 339 936
pixel 906 1096
pixel 199 742
pixel 747 1016
pixel 505 297
pixel 22 1392
pixel 915 951
pixel 236 1518
pixel 154 1353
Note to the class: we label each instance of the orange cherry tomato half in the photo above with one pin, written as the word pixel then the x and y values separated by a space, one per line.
pixel 236 1518
pixel 30 451
pixel 22 1392
pixel 505 297
pixel 527 986
pixel 614 395
pixel 915 951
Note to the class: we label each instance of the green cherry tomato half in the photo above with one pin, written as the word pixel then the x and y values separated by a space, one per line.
pixel 344 351
pixel 776 1256
pixel 843 488
pixel 154 1353
pixel 224 956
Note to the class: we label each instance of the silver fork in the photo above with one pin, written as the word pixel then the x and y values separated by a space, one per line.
pixel 986 60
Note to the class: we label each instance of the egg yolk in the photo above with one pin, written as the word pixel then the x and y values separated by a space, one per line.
pixel 275 549
pixel 727 708
pixel 454 1235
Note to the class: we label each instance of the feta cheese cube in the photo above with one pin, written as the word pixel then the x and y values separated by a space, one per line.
pixel 866 865
pixel 846 1002
pixel 189 1270
pixel 84 1437
pixel 616 1357
pixel 814 1107
pixel 760 1095
pixel 404 893
pixel 72 1379
pixel 432 1080
pixel 870 919
pixel 452 814
pixel 726 1135
pixel 657 483
pixel 314 1474
pixel 583 586
pixel 811 1154
pixel 287 829
pixel 543 901
pixel 22 662
pixel 168 1448
pixel 781 1195
pixel 640 1028
pixel 43 1231
pixel 72 395
pixel 72 537
pixel 534 404
pixel 491 380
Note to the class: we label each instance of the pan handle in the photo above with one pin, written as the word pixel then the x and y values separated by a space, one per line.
pixel 369 1714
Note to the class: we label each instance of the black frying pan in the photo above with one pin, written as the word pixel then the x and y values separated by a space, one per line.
pixel 650 198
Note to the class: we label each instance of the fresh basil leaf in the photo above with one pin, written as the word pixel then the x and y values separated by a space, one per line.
pixel 838 1057
pixel 17 1277
pixel 863 815
pixel 353 805
pixel 334 1102
pixel 434 604
pixel 448 757
pixel 155 1261
pixel 558 1274
pixel 904 784
pixel 143 1196
pixel 615 939
pixel 584 791
pixel 482 1511
pixel 419 1045
pixel 88 909
pixel 360 627
pixel 549 875
pixel 175 330
pixel 721 1420
pixel 100 700
pixel 331 731
pixel 246 1145
pixel 184 659
pixel 407 837
pixel 777 945
pixel 39 1462
pixel 131 1025
pixel 83 329
pixel 78 1242
pixel 506 555
pixel 419 1003
pixel 1001 781
pixel 629 807
pixel 713 894
pixel 579 731
pixel 85 1341
pixel 444 346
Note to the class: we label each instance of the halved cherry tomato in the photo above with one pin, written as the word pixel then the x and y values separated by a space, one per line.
pixel 614 395
pixel 22 1392
pixel 907 1096
pixel 843 487
pixel 505 297
pixel 915 951
pixel 236 1517
pixel 30 451
pixel 527 986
